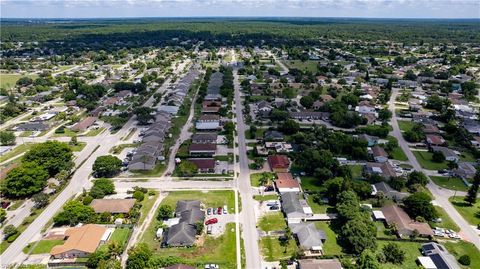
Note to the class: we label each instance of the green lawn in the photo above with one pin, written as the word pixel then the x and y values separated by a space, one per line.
pixel 452 183
pixel 412 251
pixel 397 153
pixel 157 171
pixel 310 184
pixel 382 231
pixel 447 222
pixel 147 204
pixel 272 222
pixel 255 178
pixel 67 132
pixel 8 81
pixel 318 208
pixel 119 148
pixel 405 125
pixel 263 198
pixel 467 157
pixel 469 213
pixel 308 65
pixel 330 247
pixel 26 134
pixel 459 248
pixel 208 198
pixel 78 147
pixel 425 160
pixel 273 251
pixel 120 235
pixel 43 246
pixel 259 133
pixel 95 132
pixel 356 171
pixel 16 151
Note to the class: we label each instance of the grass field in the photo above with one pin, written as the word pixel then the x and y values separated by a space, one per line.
pixel 273 251
pixel 425 160
pixel 452 183
pixel 405 125
pixel 78 147
pixel 318 208
pixel 330 247
pixel 304 66
pixel 157 171
pixel 209 198
pixel 412 251
pixel 356 171
pixel 272 222
pixel 120 235
pixel 255 178
pixel 67 133
pixel 459 248
pixel 310 184
pixel 43 246
pixel 446 222
pixel 397 153
pixel 469 213
pixel 147 204
pixel 8 81
pixel 95 132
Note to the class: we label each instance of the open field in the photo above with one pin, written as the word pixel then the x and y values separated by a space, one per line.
pixel 273 251
pixel 459 248
pixel 451 183
pixel 8 81
pixel 272 222
pixel 469 213
pixel 425 160
pixel 308 65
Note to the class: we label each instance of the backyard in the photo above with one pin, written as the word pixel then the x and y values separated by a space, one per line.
pixel 273 251
pixel 412 251
pixel 256 177
pixel 330 247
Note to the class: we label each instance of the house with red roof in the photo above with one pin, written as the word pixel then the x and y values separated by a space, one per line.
pixel 278 163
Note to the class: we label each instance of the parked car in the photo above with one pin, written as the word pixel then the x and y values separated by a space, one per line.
pixel 209 211
pixel 275 207
pixel 269 188
pixel 211 221
pixel 219 210
pixel 225 211
pixel 272 203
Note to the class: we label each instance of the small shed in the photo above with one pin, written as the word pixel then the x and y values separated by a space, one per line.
pixel 378 215
pixel 159 233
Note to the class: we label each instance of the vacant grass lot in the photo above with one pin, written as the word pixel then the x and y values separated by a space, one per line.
pixel 451 183
pixel 43 246
pixel 8 81
pixel 255 178
pixel 405 125
pixel 469 213
pixel 120 235
pixel 310 184
pixel 95 132
pixel 425 160
pixel 412 251
pixel 459 248
pixel 272 222
pixel 263 198
pixel 304 66
pixel 273 251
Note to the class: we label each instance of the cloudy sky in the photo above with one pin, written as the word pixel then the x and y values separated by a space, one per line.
pixel 207 8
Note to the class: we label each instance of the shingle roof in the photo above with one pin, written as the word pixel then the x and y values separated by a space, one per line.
pixel 181 234
pixel 85 238
pixel 112 205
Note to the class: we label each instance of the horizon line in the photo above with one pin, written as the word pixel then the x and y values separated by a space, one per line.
pixel 226 17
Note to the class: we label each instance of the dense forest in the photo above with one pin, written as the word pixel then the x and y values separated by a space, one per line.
pixel 231 31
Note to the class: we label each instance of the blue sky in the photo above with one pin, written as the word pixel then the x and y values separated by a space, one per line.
pixel 202 8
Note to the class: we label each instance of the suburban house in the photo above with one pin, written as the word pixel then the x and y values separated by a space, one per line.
pixel 80 242
pixel 204 165
pixel 379 154
pixel 309 238
pixel 273 136
pixel 434 140
pixel 383 169
pixel 183 231
pixel 208 126
pixel 310 115
pixel 202 149
pixel 31 126
pixel 294 208
pixel 436 257
pixel 387 191
pixel 279 147
pixel 465 170
pixel 395 215
pixel 84 124
pixel 286 183
pixel 204 138
pixel 449 154
pixel 319 264
pixel 113 206
pixel 278 163
pixel 430 129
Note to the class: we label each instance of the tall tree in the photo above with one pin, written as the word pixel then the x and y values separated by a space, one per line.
pixel 471 197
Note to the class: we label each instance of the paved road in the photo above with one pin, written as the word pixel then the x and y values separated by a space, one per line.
pixel 441 195
pixel 247 216
pixel 79 180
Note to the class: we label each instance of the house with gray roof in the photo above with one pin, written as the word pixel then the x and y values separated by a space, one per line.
pixel 387 191
pixel 192 216
pixel 185 205
pixel 438 256
pixel 180 235
pixel 292 207
pixel 309 238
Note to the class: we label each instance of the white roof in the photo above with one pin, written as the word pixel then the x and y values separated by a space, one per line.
pixel 378 214
pixel 427 263
pixel 307 210
pixel 171 222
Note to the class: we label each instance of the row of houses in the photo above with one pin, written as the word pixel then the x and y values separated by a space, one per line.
pixel 152 147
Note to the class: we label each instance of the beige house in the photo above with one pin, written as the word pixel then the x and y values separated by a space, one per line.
pixel 80 242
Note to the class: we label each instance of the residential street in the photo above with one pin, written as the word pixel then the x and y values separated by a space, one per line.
pixel 440 195
pixel 247 216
